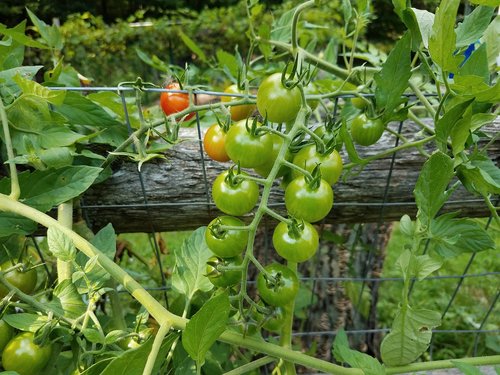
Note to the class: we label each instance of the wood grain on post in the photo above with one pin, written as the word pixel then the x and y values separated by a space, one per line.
pixel 174 194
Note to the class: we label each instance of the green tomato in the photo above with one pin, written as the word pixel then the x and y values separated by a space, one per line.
pixel 226 243
pixel 272 322
pixel 330 164
pixel 264 169
pixel 247 149
pixel 279 286
pixel 296 244
pixel 234 199
pixel 6 333
pixel 23 280
pixel 306 202
pixel 224 278
pixel 365 131
pixel 21 354
pixel 277 102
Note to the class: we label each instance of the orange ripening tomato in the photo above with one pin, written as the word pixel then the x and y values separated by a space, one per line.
pixel 238 112
pixel 214 143
pixel 174 102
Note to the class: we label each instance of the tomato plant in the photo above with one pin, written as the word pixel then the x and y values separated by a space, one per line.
pixel 214 143
pixel 331 165
pixel 233 194
pixel 223 272
pixel 21 354
pixel 278 286
pixel 24 279
pixel 238 112
pixel 6 333
pixel 277 102
pixel 366 131
pixel 246 146
pixel 174 102
pixel 295 242
pixel 226 243
pixel 308 200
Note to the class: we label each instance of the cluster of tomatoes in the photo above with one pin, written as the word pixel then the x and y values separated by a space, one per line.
pixel 254 146
pixel 20 352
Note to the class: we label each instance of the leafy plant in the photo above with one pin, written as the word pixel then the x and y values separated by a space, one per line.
pixel 58 142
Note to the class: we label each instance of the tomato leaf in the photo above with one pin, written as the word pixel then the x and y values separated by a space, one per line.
pixel 60 244
pixel 133 361
pixel 392 80
pixel 105 241
pixel 282 30
pixel 477 64
pixel 46 189
pixel 190 265
pixel 419 22
pixel 15 224
pixel 365 362
pixel 452 236
pixel 25 321
pixel 448 121
pixel 205 327
pixel 490 38
pixel 32 88
pixel 229 62
pixel 8 88
pixel 83 111
pixel 51 34
pixel 410 335
pixel 21 38
pixel 490 3
pixel 473 26
pixel 67 301
pixel 430 190
pixel 418 266
pixel 192 46
pixel 443 38
pixel 480 176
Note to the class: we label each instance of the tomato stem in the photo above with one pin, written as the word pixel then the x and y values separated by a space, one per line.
pixel 15 190
pixel 65 217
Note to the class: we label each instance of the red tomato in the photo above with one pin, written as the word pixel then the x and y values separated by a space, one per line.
pixel 174 102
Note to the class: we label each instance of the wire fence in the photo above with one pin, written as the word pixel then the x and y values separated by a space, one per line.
pixel 365 268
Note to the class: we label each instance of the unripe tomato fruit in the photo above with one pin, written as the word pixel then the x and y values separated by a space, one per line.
pixel 330 164
pixel 238 112
pixel 6 333
pixel 224 278
pixel 237 199
pixel 174 102
pixel 280 288
pixel 247 149
pixel 23 280
pixel 295 247
pixel 366 131
pixel 229 243
pixel 277 102
pixel 24 356
pixel 307 203
pixel 214 143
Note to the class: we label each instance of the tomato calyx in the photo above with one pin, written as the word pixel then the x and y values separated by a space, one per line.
pixel 234 179
pixel 295 228
pixel 216 229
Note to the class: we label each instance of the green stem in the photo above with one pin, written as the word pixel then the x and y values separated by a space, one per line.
pixel 153 354
pixel 65 217
pixel 246 368
pixel 422 99
pixel 161 315
pixel 447 363
pixel 295 21
pixel 35 303
pixel 391 151
pixel 15 190
pixel 420 123
pixel 492 209
pixel 116 307
pixel 286 331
